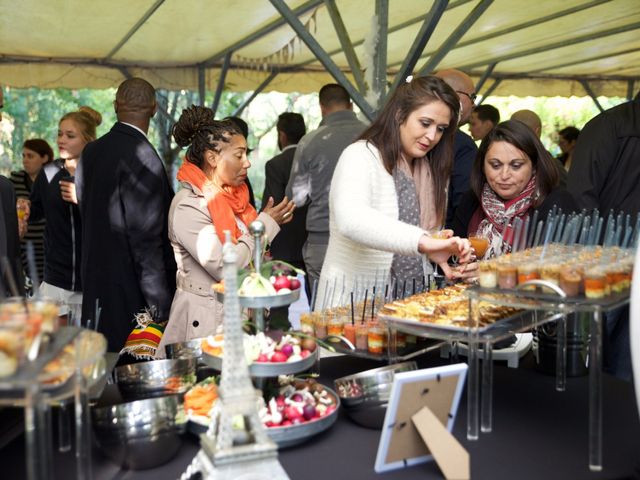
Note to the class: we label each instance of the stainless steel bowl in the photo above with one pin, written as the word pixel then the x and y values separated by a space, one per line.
pixel 188 349
pixel 295 434
pixel 156 378
pixel 140 434
pixel 365 395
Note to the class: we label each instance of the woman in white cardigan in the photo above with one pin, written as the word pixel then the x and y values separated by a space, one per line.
pixel 389 189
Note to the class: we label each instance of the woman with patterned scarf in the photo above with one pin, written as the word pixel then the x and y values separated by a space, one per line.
pixel 512 176
pixel 213 198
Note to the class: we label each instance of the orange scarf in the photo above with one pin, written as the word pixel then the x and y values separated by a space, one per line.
pixel 224 205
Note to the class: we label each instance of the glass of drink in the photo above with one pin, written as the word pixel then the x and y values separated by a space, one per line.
pixel 480 245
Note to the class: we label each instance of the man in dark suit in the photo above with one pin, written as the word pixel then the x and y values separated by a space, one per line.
pixel 9 240
pixel 124 196
pixel 465 149
pixel 287 245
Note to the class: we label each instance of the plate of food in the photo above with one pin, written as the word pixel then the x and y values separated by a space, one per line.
pixel 266 356
pixel 275 285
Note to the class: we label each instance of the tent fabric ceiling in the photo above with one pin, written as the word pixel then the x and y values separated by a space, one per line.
pixel 539 48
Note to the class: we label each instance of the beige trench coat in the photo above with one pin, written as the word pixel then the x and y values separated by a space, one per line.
pixel 195 313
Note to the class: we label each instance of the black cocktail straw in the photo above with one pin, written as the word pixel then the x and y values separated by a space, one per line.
pixel 364 309
pixel 353 322
pixel 373 303
pixel 414 286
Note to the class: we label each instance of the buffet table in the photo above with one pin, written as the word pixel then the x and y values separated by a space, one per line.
pixel 539 433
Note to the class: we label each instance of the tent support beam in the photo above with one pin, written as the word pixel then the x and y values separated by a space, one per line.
pixel 201 85
pixel 520 26
pixel 305 7
pixel 322 56
pixel 490 90
pixel 255 93
pixel 591 93
pixel 485 76
pixel 379 86
pixel 420 42
pixel 221 80
pixel 630 89
pixel 347 45
pixel 456 35
pixel 560 44
pixel 584 60
pixel 135 28
pixel 393 29
pixel 531 23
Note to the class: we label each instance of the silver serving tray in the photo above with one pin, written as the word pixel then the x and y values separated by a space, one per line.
pixel 296 434
pixel 291 435
pixel 266 301
pixel 267 369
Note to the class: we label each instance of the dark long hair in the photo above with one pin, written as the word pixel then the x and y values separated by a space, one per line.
pixel 522 137
pixel 40 146
pixel 384 132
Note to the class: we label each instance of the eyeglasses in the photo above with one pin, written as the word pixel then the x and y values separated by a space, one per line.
pixel 472 96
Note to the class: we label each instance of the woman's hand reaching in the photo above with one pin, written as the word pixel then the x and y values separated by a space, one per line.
pixel 440 250
pixel 282 213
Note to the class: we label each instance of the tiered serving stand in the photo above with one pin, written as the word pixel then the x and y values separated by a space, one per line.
pixel 537 307
pixel 37 390
pixel 261 371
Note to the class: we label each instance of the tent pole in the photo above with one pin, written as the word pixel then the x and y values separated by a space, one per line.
pixel 221 80
pixel 456 35
pixel 490 90
pixel 305 7
pixel 394 28
pixel 485 76
pixel 591 93
pixel 347 45
pixel 379 86
pixel 201 85
pixel 135 28
pixel 630 89
pixel 420 42
pixel 563 43
pixel 322 56
pixel 255 93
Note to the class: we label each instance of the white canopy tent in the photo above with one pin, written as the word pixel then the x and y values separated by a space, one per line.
pixel 510 47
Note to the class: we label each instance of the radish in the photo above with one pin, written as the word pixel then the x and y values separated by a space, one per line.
pixel 281 282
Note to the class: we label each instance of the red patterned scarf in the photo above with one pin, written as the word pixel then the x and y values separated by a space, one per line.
pixel 497 225
pixel 224 205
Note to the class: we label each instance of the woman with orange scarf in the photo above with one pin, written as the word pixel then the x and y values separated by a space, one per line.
pixel 213 198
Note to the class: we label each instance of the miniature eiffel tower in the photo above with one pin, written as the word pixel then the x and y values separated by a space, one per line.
pixel 236 444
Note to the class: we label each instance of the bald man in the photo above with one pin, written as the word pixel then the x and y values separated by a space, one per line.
pixel 124 195
pixel 465 149
pixel 530 119
pixel 533 121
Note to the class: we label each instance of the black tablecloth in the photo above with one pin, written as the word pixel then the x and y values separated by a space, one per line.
pixel 538 433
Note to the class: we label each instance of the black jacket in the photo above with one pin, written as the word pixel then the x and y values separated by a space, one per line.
pixel 63 231
pixel 287 245
pixel 605 171
pixel 469 204
pixel 127 261
pixel 9 241
pixel 465 151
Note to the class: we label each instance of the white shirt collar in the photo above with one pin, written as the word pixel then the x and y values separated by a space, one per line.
pixel 133 126
pixel 288 147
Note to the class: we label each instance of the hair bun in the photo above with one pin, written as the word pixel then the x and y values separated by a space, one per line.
pixel 190 122
pixel 92 114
